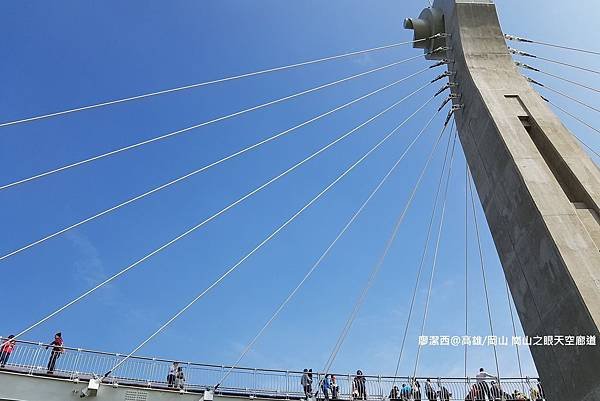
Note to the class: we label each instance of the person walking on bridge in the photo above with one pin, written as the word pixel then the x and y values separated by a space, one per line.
pixel 57 349
pixel 6 349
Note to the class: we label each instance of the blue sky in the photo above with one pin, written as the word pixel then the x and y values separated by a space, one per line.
pixel 69 53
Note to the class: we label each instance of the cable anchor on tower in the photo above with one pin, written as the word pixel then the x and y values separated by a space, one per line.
pixel 448 99
pixel 441 62
pixel 449 85
pixel 439 49
pixel 526 66
pixel 533 81
pixel 454 108
pixel 521 53
pixel 516 38
pixel 443 75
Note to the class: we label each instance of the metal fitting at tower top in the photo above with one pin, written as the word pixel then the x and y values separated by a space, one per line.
pixel 429 32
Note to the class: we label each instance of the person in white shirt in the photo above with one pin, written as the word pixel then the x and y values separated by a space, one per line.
pixel 482 384
pixel 172 373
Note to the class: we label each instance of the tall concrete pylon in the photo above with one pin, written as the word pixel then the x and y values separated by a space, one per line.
pixel 539 189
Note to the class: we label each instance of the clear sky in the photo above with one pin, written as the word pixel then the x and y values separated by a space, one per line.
pixel 64 54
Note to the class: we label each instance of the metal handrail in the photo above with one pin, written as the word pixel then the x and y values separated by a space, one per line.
pixel 76 363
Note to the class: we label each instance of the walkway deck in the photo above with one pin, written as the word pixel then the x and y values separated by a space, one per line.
pixel 80 365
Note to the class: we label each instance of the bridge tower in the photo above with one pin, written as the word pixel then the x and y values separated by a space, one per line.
pixel 539 189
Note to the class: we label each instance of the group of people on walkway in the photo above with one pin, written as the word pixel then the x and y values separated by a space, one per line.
pixel 9 345
pixel 481 391
pixel 329 386
pixel 412 391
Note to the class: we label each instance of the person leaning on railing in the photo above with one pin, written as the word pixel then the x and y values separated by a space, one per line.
pixel 360 386
pixel 6 349
pixel 57 350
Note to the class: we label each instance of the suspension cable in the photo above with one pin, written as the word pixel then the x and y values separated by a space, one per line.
pixel 526 54
pixel 519 39
pixel 206 83
pixel 332 244
pixel 436 251
pixel 421 264
pixel 579 120
pixel 466 260
pixel 514 328
pixel 372 277
pixel 562 94
pixel 482 263
pixel 202 169
pixel 528 67
pixel 202 223
pixel 202 124
pixel 266 240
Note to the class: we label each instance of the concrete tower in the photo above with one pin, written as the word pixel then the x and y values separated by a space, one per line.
pixel 539 189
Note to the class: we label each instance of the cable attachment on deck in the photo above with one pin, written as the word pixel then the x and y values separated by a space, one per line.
pixel 527 67
pixel 516 38
pixel 452 96
pixel 521 53
pixel 443 75
pixel 544 99
pixel 533 81
pixel 441 62
pixel 441 35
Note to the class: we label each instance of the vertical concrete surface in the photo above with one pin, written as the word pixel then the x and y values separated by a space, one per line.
pixel 540 192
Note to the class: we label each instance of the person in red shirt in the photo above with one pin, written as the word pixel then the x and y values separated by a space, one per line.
pixel 6 349
pixel 57 349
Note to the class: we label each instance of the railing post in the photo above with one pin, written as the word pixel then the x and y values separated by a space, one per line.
pixel 380 388
pixel 350 395
pixel 318 386
pixel 35 357
pixel 149 372
pixel 75 371
pixel 287 384
pixel 255 385
pixel 467 385
pixel 222 373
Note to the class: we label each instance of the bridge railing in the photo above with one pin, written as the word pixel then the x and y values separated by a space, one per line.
pixel 75 363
